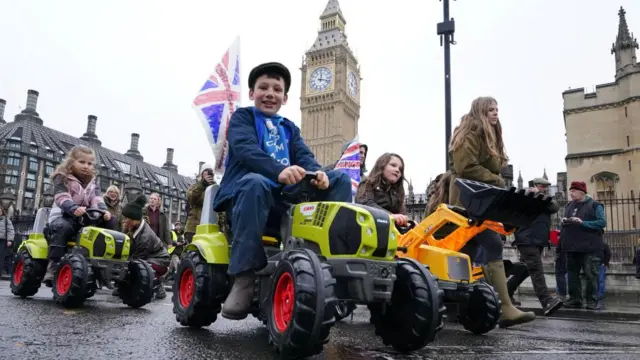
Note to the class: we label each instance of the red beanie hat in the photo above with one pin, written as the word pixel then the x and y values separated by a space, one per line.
pixel 578 185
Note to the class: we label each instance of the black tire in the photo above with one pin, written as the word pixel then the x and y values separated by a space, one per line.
pixel 414 316
pixel 70 281
pixel 482 312
pixel 344 309
pixel 27 274
pixel 137 290
pixel 312 309
pixel 209 286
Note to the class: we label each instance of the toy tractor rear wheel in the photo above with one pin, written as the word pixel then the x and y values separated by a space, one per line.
pixel 482 311
pixel 198 290
pixel 414 316
pixel 137 291
pixel 70 281
pixel 302 302
pixel 27 274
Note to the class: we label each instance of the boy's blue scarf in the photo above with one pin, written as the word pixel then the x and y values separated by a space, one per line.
pixel 274 139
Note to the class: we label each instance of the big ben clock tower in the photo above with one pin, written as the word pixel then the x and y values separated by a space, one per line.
pixel 330 95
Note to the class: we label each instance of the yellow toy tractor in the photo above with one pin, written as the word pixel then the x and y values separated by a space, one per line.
pixel 486 208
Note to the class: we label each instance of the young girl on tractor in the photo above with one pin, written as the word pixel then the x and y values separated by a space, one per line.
pixel 75 189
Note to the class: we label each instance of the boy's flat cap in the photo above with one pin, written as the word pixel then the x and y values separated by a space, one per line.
pixel 270 68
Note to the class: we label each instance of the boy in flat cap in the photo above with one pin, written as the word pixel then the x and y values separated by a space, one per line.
pixel 265 152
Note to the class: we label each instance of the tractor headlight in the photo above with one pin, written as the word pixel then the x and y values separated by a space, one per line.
pixel 361 218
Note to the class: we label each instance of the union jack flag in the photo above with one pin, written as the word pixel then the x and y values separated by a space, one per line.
pixel 350 163
pixel 218 98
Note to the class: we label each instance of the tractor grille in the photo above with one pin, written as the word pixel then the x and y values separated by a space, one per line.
pixel 320 215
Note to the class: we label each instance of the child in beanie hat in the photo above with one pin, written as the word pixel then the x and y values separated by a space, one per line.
pixel 133 210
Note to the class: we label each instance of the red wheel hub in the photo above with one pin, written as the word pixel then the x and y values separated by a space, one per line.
pixel 17 272
pixel 283 302
pixel 187 285
pixel 64 279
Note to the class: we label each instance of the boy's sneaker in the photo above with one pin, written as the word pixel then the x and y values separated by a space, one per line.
pixel 592 306
pixel 551 307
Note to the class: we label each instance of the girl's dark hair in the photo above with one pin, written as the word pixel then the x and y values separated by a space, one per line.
pixel 376 178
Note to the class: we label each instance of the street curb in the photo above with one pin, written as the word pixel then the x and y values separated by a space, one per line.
pixel 586 314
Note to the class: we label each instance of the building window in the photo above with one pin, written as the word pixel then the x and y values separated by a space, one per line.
pixel 123 166
pixel 46 183
pixel 163 179
pixel 104 183
pixel 33 164
pixel 11 177
pixel 629 165
pixel 628 142
pixel 14 145
pixel 126 178
pixel 13 159
pixel 31 181
pixel 626 114
pixel 27 207
pixel 33 149
pixel 49 154
pixel 605 184
pixel 48 169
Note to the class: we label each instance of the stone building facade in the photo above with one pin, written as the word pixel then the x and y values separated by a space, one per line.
pixel 30 152
pixel 330 89
pixel 603 127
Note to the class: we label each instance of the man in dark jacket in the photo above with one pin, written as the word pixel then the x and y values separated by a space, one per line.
pixel 145 244
pixel 530 241
pixel 583 225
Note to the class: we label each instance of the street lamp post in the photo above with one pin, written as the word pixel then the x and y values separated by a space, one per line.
pixel 446 29
pixel 132 190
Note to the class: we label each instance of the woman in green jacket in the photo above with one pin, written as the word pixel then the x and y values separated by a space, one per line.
pixel 477 153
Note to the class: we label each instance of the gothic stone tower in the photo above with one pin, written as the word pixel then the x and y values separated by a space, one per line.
pixel 330 94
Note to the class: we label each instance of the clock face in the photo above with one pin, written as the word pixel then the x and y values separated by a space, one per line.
pixel 320 79
pixel 352 83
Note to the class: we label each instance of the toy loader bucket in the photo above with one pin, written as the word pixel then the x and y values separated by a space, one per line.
pixel 510 207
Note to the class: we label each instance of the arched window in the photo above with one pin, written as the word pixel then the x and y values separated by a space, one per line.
pixel 605 182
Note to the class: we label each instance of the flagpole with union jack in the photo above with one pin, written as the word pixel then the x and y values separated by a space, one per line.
pixel 218 98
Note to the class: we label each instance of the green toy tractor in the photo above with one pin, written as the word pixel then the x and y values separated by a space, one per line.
pixel 95 258
pixel 324 252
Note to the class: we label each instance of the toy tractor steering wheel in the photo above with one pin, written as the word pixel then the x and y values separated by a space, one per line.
pixel 303 192
pixel 405 229
pixel 92 216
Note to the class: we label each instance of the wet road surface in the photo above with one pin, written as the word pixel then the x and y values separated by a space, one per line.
pixel 105 329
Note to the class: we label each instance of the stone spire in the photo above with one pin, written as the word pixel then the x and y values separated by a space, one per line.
pixel 410 186
pixel 544 175
pixel 520 180
pixel 624 48
pixel 332 27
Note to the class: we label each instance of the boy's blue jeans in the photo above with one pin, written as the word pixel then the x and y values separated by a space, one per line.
pixel 257 202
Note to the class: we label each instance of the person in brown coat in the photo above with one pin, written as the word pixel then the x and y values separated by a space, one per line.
pixel 477 153
pixel 195 199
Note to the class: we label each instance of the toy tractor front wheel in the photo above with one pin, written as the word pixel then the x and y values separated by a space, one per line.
pixel 198 290
pixel 70 281
pixel 27 274
pixel 302 305
pixel 482 312
pixel 137 291
pixel 414 316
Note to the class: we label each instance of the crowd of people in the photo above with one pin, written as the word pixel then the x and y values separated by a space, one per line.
pixel 267 153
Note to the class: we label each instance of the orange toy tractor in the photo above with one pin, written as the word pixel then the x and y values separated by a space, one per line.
pixel 433 244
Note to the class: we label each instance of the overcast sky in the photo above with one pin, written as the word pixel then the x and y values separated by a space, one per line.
pixel 137 65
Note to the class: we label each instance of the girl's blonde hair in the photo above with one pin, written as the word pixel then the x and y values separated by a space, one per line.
pixel 476 121
pixel 65 168
pixel 115 189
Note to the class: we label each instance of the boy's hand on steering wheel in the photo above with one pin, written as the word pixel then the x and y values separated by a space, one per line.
pixel 107 216
pixel 291 175
pixel 80 211
pixel 321 181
